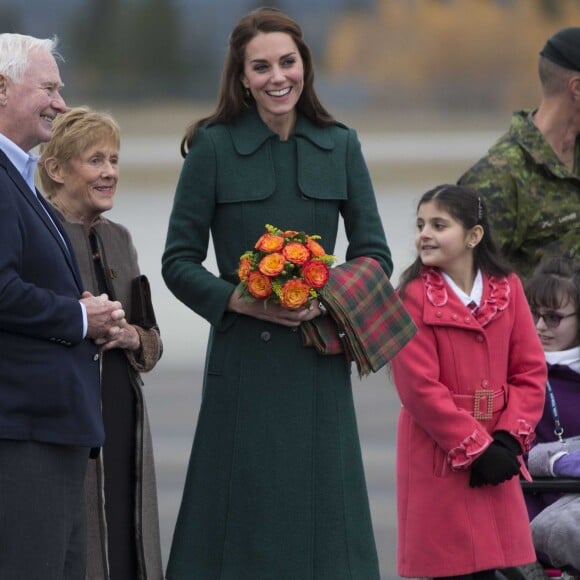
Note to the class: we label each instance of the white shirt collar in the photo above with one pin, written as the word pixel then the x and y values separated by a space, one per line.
pixel 25 163
pixel 476 292
pixel 569 358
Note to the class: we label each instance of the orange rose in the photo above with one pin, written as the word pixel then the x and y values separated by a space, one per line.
pixel 259 286
pixel 272 264
pixel 295 294
pixel 316 249
pixel 316 273
pixel 296 253
pixel 244 269
pixel 269 243
pixel 290 233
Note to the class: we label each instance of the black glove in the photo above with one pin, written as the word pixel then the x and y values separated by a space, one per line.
pixel 494 466
pixel 507 441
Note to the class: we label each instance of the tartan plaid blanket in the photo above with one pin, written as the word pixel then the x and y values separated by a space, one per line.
pixel 366 319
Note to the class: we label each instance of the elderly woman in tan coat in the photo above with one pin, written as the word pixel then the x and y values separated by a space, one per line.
pixel 79 172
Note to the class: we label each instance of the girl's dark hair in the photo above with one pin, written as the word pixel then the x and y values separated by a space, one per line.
pixel 469 209
pixel 554 283
pixel 232 98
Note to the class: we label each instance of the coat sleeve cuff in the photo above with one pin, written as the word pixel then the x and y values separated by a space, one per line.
pixel 525 434
pixel 150 352
pixel 462 456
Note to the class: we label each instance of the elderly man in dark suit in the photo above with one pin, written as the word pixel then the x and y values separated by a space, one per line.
pixel 49 363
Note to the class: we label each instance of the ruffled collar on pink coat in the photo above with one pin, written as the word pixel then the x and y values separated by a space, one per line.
pixel 496 294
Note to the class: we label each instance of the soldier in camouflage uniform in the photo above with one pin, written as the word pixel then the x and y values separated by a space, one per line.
pixel 531 176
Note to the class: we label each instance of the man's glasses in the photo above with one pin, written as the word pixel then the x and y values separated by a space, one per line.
pixel 551 319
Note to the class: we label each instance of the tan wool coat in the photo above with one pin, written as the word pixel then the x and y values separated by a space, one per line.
pixel 120 264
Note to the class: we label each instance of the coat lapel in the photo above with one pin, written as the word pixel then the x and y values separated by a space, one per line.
pixel 42 209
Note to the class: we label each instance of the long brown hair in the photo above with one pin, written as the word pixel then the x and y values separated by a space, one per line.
pixel 232 99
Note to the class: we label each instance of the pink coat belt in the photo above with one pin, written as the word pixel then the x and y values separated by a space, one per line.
pixel 483 403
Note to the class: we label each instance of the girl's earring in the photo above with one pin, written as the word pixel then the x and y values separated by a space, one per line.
pixel 247 92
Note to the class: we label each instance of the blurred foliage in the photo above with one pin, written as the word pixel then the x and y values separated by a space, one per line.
pixel 446 54
pixel 128 49
pixel 450 53
pixel 11 16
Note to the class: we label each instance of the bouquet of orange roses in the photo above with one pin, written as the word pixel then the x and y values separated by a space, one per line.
pixel 288 267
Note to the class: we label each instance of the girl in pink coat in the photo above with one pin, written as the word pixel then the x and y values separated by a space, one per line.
pixel 471 383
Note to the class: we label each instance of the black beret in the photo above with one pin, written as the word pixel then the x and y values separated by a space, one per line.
pixel 564 48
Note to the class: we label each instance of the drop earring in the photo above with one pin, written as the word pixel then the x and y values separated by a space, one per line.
pixel 247 92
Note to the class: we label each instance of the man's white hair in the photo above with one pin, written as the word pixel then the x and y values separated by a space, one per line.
pixel 15 50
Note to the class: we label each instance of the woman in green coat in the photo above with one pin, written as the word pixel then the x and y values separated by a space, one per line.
pixel 275 487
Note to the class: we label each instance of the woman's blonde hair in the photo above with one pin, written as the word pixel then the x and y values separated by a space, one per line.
pixel 72 134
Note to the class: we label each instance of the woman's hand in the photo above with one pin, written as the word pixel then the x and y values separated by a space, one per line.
pixel 273 312
pixel 126 337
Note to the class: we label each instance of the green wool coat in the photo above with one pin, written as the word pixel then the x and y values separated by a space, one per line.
pixel 275 487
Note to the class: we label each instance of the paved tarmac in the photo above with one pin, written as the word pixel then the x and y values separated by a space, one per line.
pixel 173 398
pixel 173 388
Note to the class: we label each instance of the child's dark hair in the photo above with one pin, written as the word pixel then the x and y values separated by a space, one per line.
pixel 469 209
pixel 554 283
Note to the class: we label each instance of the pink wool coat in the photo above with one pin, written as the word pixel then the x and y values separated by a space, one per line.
pixel 461 378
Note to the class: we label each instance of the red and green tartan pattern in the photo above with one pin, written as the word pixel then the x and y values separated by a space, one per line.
pixel 367 320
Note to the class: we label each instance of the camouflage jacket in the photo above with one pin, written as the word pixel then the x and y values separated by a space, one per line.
pixel 532 198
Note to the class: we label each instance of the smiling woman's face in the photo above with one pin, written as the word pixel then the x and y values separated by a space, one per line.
pixel 89 182
pixel 274 74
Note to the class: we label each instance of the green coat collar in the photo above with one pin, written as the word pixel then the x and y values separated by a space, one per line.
pixel 249 133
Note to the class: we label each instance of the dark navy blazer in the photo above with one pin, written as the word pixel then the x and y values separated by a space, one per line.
pixel 49 374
